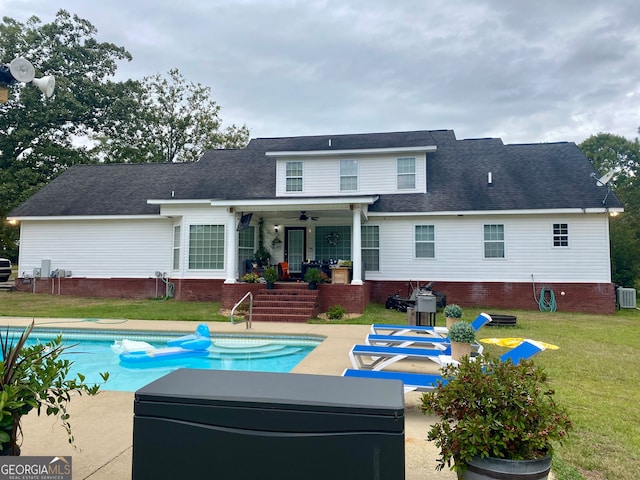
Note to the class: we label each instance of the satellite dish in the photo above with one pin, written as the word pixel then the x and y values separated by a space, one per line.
pixel 46 84
pixel 22 70
pixel 605 179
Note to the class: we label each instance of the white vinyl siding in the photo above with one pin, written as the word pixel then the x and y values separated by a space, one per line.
pixel 460 250
pixel 560 235
pixel 406 171
pixel 98 248
pixel 294 176
pixel 493 241
pixel 425 238
pixel 376 175
pixel 348 175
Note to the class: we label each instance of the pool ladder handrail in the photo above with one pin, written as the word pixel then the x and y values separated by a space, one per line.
pixel 248 322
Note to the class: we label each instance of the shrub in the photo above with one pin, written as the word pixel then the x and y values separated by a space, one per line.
pixel 336 312
pixel 453 311
pixel 313 276
pixel 462 332
pixel 250 278
pixel 489 408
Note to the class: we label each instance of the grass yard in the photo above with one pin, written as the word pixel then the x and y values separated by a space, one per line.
pixel 595 372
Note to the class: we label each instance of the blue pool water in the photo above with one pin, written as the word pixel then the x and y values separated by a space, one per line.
pixel 93 354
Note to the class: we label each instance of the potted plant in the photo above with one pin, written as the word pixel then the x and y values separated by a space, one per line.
pixel 270 276
pixel 452 313
pixel 35 377
pixel 495 417
pixel 313 277
pixel 462 336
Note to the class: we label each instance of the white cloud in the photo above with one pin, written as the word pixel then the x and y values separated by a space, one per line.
pixel 524 71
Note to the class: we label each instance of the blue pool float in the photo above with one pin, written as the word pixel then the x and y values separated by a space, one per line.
pixel 194 345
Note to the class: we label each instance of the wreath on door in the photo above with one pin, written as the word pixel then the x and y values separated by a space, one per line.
pixel 332 239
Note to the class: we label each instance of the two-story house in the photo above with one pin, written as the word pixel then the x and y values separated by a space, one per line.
pixel 490 224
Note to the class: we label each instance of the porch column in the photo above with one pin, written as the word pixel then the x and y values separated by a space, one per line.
pixel 231 247
pixel 356 248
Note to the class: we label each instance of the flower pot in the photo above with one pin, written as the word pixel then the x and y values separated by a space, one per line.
pixel 313 286
pixel 494 468
pixel 270 286
pixel 451 320
pixel 459 350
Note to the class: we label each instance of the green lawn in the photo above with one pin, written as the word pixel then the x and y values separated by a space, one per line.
pixel 596 371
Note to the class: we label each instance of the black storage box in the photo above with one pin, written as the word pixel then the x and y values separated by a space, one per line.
pixel 245 425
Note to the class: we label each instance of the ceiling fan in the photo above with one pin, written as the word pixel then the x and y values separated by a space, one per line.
pixel 304 217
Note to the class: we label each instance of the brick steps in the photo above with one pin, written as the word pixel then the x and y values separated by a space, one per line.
pixel 285 303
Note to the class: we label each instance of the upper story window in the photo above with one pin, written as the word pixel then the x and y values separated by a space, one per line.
pixel 560 234
pixel 425 237
pixel 294 176
pixel 406 169
pixel 348 175
pixel 493 241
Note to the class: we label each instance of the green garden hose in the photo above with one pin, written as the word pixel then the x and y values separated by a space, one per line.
pixel 547 305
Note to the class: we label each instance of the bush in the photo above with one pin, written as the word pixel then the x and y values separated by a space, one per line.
pixel 489 408
pixel 462 332
pixel 250 278
pixel 452 311
pixel 336 312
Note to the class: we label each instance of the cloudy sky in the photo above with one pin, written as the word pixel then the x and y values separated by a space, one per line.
pixel 524 71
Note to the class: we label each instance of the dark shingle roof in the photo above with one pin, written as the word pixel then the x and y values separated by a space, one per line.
pixel 534 176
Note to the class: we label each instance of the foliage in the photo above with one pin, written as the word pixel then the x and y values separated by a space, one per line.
pixel 271 275
pixel 336 312
pixel 35 377
pixel 462 332
pixel 313 275
pixel 169 120
pixel 91 117
pixel 613 152
pixel 40 138
pixel 489 408
pixel 251 277
pixel 452 311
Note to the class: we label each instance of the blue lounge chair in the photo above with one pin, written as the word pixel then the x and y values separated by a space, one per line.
pixel 377 357
pixel 381 328
pixel 424 382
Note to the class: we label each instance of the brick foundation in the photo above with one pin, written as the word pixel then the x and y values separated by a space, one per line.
pixel 579 297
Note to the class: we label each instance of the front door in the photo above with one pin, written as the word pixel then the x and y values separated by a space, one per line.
pixel 295 246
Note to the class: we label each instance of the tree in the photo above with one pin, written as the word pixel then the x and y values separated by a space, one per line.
pixel 174 121
pixel 91 118
pixel 613 152
pixel 40 138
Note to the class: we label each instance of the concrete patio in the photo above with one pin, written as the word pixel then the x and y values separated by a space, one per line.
pixel 103 425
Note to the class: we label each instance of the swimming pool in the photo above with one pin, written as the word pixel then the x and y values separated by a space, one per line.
pixel 93 354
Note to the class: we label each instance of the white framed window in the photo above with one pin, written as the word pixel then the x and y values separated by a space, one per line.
pixel 348 175
pixel 494 241
pixel 206 247
pixel 561 235
pixel 176 247
pixel 406 173
pixel 294 171
pixel 246 246
pixel 370 247
pixel 425 241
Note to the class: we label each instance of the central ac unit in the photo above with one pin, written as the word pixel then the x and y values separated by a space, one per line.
pixel 626 297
